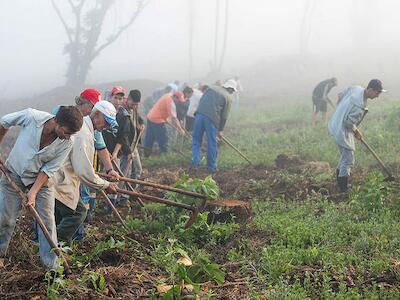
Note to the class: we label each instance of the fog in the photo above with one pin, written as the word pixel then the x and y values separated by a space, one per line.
pixel 278 48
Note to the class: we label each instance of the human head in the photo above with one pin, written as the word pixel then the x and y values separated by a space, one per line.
pixel 203 88
pixel 334 81
pixel 86 100
pixel 133 99
pixel 178 97
pixel 117 96
pixel 69 120
pixel 187 92
pixel 230 85
pixel 171 87
pixel 103 115
pixel 374 89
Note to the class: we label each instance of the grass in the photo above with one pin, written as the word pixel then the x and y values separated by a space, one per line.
pixel 309 248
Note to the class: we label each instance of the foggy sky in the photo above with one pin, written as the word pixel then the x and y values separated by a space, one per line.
pixel 156 45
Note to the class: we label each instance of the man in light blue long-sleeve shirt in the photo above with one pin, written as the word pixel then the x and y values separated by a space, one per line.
pixel 343 125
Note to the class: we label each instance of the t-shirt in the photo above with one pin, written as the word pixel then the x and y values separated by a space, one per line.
pixel 194 102
pixel 321 91
pixel 163 110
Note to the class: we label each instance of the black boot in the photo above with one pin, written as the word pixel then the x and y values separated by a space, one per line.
pixel 342 183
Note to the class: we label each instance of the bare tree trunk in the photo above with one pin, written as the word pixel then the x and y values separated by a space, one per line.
pixel 222 58
pixel 191 30
pixel 305 28
pixel 216 33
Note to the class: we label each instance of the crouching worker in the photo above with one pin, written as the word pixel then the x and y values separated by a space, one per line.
pixel 42 146
pixel 69 209
pixel 349 113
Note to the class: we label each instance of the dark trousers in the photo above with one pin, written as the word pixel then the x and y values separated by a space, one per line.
pixel 155 132
pixel 68 220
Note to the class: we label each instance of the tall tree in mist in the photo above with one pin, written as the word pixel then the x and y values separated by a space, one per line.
pixel 83 44
pixel 305 27
pixel 191 31
pixel 219 58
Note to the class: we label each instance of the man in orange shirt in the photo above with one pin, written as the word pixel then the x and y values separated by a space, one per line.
pixel 162 112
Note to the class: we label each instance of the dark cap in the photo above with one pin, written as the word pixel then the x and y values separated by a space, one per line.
pixel 376 85
pixel 135 95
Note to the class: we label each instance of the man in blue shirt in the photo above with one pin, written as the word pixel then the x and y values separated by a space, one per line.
pixel 41 148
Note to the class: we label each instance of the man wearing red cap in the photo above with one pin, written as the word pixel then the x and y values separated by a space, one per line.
pixel 162 112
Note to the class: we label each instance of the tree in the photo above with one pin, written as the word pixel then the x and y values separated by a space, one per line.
pixel 305 27
pixel 218 60
pixel 83 45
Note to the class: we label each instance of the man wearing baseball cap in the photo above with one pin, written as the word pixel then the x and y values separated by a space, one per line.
pixel 343 125
pixel 210 118
pixel 164 111
pixel 78 168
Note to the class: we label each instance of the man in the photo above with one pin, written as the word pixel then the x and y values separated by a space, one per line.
pixel 130 159
pixel 42 145
pixel 343 126
pixel 69 210
pixel 162 112
pixel 320 99
pixel 210 117
pixel 157 94
pixel 239 90
pixel 193 104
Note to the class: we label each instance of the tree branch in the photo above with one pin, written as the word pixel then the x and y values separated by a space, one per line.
pixel 66 27
pixel 141 5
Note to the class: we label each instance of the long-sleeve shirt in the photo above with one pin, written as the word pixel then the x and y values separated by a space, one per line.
pixel 78 168
pixel 26 158
pixel 348 115
pixel 215 104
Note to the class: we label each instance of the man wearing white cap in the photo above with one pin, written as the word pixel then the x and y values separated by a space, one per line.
pixel 210 117
pixel 69 210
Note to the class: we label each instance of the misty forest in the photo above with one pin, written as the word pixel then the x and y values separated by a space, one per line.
pixel 199 149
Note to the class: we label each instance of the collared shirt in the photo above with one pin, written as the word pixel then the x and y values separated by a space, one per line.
pixel 26 159
pixel 348 115
pixel 78 168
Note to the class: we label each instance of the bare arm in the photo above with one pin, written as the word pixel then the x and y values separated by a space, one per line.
pixel 3 132
pixel 39 182
pixel 116 151
pixel 104 156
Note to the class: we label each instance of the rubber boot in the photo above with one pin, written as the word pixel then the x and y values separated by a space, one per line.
pixel 342 183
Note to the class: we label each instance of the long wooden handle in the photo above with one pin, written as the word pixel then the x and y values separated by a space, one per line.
pixel 37 217
pixel 103 193
pixel 157 186
pixel 376 157
pixel 156 199
pixel 236 149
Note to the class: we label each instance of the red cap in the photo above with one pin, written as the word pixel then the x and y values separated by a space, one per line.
pixel 118 90
pixel 91 95
pixel 180 96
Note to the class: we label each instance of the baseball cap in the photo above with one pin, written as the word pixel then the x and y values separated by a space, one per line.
pixel 118 90
pixel 91 95
pixel 231 83
pixel 376 85
pixel 180 96
pixel 109 112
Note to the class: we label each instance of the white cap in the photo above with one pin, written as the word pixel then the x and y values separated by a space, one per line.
pixel 173 87
pixel 231 83
pixel 108 110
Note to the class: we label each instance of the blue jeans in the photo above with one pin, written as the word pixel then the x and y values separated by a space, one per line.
pixel 203 124
pixel 346 161
pixel 155 132
pixel 10 208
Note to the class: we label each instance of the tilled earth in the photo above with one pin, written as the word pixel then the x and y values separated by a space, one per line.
pixel 128 275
